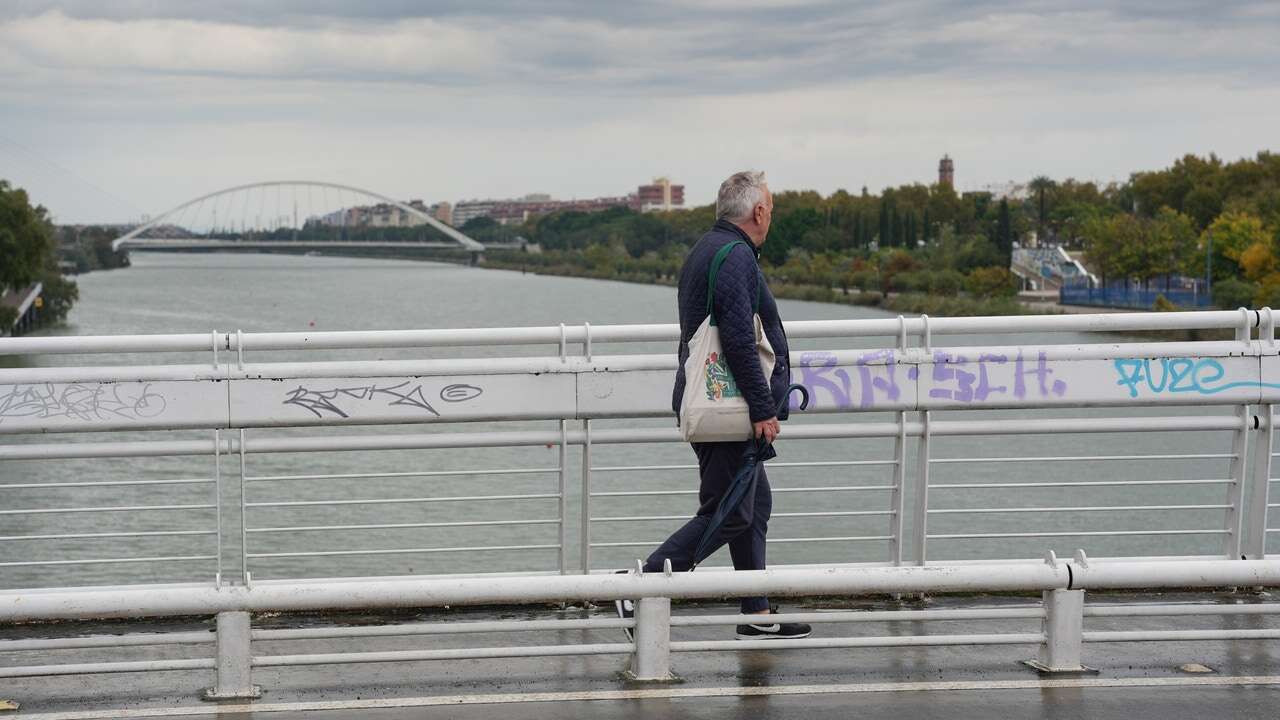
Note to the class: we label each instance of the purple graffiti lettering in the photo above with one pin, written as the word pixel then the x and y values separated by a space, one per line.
pixel 887 384
pixel 945 369
pixel 1041 371
pixel 985 389
pixel 816 372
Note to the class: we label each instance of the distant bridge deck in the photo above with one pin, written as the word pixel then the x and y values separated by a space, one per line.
pixel 210 244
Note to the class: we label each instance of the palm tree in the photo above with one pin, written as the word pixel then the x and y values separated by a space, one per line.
pixel 1040 185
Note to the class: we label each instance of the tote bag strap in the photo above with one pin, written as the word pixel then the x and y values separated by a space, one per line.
pixel 716 262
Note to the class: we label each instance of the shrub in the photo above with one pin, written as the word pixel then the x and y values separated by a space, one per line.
pixel 1232 293
pixel 946 282
pixel 910 281
pixel 863 279
pixel 992 282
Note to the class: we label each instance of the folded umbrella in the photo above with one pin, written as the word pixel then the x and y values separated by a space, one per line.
pixel 741 484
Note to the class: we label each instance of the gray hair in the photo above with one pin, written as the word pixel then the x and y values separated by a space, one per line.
pixel 739 195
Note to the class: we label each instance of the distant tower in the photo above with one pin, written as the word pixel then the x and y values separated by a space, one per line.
pixel 946 171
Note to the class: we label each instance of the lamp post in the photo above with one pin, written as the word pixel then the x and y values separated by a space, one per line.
pixel 1208 264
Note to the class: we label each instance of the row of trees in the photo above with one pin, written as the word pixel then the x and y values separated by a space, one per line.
pixel 1198 216
pixel 85 248
pixel 28 254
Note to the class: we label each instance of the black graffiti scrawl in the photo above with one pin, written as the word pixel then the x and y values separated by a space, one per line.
pixel 338 402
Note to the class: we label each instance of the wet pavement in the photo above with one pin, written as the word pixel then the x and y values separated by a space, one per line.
pixel 1136 680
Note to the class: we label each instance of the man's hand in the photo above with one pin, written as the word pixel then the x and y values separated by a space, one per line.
pixel 768 429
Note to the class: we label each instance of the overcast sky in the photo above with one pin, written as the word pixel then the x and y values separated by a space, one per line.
pixel 112 109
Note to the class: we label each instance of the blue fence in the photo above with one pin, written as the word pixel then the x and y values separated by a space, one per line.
pixel 1132 295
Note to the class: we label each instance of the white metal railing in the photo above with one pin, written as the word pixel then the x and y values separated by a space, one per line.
pixel 226 412
pixel 222 394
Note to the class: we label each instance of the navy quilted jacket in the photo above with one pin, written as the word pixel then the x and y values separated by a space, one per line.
pixel 736 286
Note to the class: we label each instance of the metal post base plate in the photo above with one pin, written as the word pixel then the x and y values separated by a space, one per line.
pixel 1046 670
pixel 212 694
pixel 631 679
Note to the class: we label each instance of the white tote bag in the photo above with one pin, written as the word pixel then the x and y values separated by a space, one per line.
pixel 712 408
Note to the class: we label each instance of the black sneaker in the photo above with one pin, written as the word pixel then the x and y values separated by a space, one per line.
pixel 774 631
pixel 626 610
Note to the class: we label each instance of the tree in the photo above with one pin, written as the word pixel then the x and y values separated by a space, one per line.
pixel 1103 248
pixel 26 239
pixel 1004 231
pixel 885 240
pixel 1041 185
pixel 28 254
pixel 1234 231
pixel 1171 244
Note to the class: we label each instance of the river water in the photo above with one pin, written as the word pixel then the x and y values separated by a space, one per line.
pixel 163 293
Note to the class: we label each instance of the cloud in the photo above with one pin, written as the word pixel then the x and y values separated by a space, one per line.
pixel 164 101
pixel 705 47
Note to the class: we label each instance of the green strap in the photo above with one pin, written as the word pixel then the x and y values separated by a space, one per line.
pixel 716 262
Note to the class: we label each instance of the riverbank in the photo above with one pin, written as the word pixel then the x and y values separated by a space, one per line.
pixel 954 305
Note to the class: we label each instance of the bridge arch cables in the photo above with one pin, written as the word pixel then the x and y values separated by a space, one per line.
pixel 251 208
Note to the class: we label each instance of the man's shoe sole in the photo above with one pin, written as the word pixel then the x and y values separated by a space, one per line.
pixel 773 636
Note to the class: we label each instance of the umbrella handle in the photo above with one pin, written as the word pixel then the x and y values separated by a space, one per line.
pixel 804 396
pixel 761 443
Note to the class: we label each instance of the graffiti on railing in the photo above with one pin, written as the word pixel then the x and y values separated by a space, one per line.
pixel 460 392
pixel 332 400
pixel 978 386
pixel 828 384
pixel 954 376
pixel 1200 376
pixel 81 401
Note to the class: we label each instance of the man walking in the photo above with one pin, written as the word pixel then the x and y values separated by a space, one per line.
pixel 744 208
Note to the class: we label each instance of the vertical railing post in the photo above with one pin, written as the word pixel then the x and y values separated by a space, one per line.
pixel 920 509
pixel 229 514
pixel 243 516
pixel 652 659
pixel 564 498
pixel 235 659
pixel 1254 546
pixel 1255 539
pixel 897 496
pixel 1233 516
pixel 1063 632
pixel 217 501
pixel 584 536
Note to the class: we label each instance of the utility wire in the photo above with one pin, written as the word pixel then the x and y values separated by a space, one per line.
pixel 36 157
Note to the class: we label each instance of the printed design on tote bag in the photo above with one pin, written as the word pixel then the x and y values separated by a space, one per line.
pixel 720 384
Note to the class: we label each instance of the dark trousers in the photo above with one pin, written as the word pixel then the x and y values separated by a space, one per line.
pixel 744 530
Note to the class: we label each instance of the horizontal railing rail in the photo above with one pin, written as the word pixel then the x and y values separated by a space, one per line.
pixel 1060 637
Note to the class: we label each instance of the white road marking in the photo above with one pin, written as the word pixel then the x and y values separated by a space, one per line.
pixel 650 693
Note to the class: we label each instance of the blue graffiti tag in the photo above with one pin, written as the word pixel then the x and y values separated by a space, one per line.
pixel 1203 376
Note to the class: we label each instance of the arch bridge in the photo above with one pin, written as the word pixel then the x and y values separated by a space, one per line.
pixel 266 215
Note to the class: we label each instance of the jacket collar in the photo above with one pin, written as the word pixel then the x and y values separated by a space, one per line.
pixel 727 226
